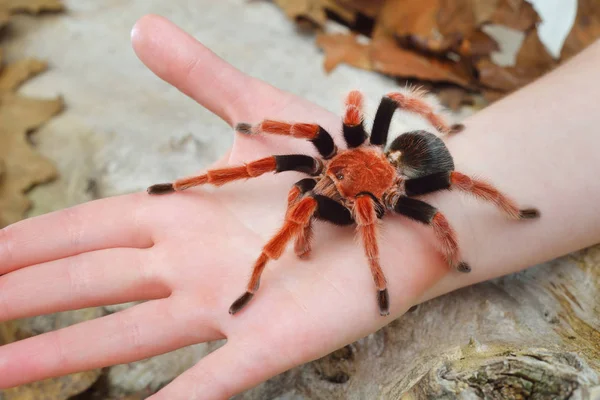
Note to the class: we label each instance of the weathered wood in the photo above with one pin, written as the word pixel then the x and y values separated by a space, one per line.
pixel 530 335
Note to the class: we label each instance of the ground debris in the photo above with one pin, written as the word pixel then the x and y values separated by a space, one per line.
pixel 441 41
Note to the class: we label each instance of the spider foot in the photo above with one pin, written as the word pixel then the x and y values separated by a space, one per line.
pixel 240 302
pixel 463 267
pixel 383 299
pixel 304 254
pixel 245 128
pixel 529 213
pixel 456 128
pixel 161 188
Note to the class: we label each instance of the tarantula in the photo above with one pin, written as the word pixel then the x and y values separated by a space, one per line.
pixel 360 184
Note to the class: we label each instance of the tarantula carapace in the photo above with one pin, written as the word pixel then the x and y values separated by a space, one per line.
pixel 360 184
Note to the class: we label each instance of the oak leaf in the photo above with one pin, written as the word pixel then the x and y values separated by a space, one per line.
pixel 13 75
pixel 342 48
pixel 464 16
pixel 388 58
pixel 515 14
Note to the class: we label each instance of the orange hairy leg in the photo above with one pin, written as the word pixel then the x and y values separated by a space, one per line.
pixel 354 130
pixel 414 102
pixel 427 214
pixel 296 219
pixel 302 243
pixel 366 219
pixel 319 137
pixel 221 176
pixel 488 192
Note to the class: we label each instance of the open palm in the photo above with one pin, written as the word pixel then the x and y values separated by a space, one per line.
pixel 190 255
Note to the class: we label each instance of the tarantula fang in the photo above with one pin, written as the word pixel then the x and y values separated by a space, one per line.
pixel 360 184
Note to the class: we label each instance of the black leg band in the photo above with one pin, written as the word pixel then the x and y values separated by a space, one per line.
pixel 381 123
pixel 427 184
pixel 332 211
pixel 415 209
pixel 324 143
pixel 354 135
pixel 298 162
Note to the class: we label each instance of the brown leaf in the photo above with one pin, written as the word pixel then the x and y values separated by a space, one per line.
pixel 388 58
pixel 24 167
pixel 515 14
pixel 407 17
pixel 342 48
pixel 533 59
pixel 13 75
pixel 586 28
pixel 499 78
pixel 4 17
pixel 30 6
pixel 454 97
pixel 464 16
pixel 307 10
pixel 478 44
pixel 369 8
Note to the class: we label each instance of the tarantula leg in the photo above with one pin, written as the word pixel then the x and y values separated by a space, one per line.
pixel 302 243
pixel 476 187
pixel 297 217
pixel 319 137
pixel 354 130
pixel 299 188
pixel 412 101
pixel 422 212
pixel 221 176
pixel 456 128
pixel 366 218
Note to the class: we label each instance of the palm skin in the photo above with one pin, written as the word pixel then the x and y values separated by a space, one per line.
pixel 191 253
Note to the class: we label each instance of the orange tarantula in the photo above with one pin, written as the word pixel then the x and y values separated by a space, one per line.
pixel 360 184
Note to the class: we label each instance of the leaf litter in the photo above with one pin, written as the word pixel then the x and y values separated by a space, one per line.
pixel 441 43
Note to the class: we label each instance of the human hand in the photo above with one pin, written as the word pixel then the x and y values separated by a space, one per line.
pixel 190 254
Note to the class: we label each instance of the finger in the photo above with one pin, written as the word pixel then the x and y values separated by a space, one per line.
pixel 142 331
pixel 96 225
pixel 97 278
pixel 185 63
pixel 225 372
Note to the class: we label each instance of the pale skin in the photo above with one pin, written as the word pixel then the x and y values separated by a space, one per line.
pixel 191 253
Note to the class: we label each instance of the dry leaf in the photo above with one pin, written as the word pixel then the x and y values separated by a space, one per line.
pixel 454 97
pixel 388 58
pixel 407 17
pixel 310 10
pixel 30 6
pixel 24 167
pixel 515 14
pixel 586 29
pixel 478 44
pixel 13 75
pixel 342 48
pixel 4 17
pixel 464 16
pixel 499 78
pixel 533 59
pixel 369 8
